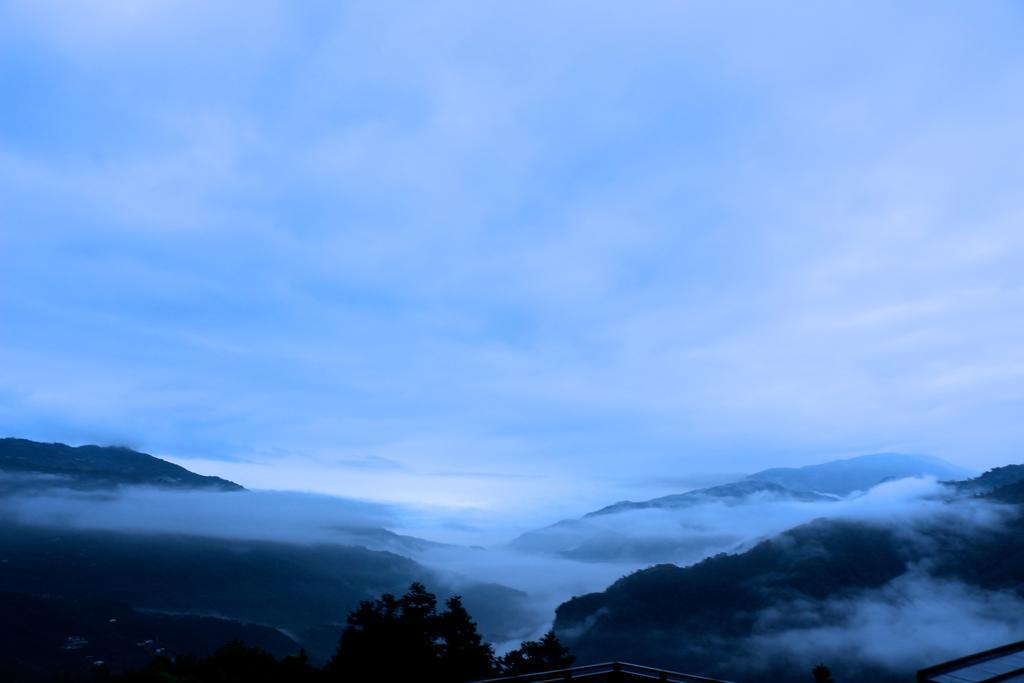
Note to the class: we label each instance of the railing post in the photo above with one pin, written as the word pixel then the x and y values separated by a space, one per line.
pixel 662 675
pixel 617 673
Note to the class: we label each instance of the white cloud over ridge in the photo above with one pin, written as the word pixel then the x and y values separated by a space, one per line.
pixel 913 507
pixel 913 622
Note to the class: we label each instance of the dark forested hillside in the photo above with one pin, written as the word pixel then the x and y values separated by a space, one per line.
pixel 33 464
pixel 710 617
pixel 42 637
pixel 993 479
pixel 304 589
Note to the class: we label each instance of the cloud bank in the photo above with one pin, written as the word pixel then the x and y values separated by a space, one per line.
pixel 618 545
pixel 583 242
pixel 913 622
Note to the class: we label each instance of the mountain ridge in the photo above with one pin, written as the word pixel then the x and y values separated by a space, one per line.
pixel 813 575
pixel 36 464
pixel 607 534
pixel 725 492
pixel 847 475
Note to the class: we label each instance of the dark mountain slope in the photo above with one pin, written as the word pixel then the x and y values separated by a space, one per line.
pixel 34 464
pixel 809 561
pixel 1010 493
pixel 297 588
pixel 992 479
pixel 41 637
pixel 704 617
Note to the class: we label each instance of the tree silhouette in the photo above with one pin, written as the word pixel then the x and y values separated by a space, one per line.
pixel 537 655
pixel 387 639
pixel 233 662
pixel 394 638
pixel 822 674
pixel 464 654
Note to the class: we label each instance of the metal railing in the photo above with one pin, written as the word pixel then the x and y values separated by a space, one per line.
pixel 608 671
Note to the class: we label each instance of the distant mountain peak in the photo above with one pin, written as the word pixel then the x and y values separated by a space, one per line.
pixel 33 464
pixel 739 491
pixel 841 477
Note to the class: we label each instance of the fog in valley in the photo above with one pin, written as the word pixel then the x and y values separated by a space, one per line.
pixel 553 569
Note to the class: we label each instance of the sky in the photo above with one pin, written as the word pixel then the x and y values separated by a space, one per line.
pixel 523 255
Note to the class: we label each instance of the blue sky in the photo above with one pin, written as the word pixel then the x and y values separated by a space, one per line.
pixel 504 254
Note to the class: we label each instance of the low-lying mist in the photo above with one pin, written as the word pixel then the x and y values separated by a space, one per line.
pixel 683 535
pixel 582 555
pixel 912 622
pixel 254 515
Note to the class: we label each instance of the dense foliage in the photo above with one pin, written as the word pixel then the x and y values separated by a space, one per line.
pixel 304 590
pixel 232 663
pixel 393 638
pixel 709 616
pixel 992 479
pixel 408 637
pixel 546 654
pixel 388 639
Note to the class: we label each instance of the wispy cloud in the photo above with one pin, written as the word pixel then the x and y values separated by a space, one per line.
pixel 583 239
pixel 910 623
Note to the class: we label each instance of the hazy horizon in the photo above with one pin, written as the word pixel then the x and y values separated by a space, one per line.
pixel 393 501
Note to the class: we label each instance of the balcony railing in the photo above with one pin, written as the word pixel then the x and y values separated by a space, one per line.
pixel 609 671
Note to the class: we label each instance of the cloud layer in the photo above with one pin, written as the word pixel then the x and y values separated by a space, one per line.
pixel 582 242
pixel 912 622
pixel 620 544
